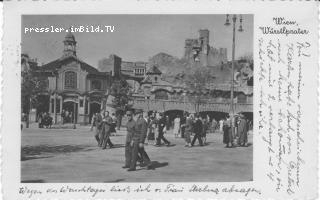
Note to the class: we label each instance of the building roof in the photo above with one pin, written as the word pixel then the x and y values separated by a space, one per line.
pixel 52 66
pixel 154 70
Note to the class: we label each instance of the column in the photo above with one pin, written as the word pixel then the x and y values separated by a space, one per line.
pixel 61 102
pixel 50 105
pixel 55 108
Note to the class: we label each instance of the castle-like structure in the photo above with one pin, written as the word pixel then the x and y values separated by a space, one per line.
pixel 198 51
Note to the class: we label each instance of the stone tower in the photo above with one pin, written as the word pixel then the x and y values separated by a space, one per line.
pixel 204 41
pixel 69 45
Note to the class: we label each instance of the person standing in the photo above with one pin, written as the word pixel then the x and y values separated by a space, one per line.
pixel 243 131
pixel 183 125
pixel 197 131
pixel 130 132
pixel 106 128
pixel 176 126
pixel 93 121
pixel 152 126
pixel 188 130
pixel 161 129
pixel 221 121
pixel 227 132
pixel 205 127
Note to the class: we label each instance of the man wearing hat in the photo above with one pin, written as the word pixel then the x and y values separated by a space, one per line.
pixel 197 131
pixel 161 127
pixel 130 131
pixel 243 131
pixel 138 139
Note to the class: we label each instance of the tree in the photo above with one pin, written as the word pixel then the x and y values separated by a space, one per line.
pixel 31 86
pixel 121 92
pixel 197 81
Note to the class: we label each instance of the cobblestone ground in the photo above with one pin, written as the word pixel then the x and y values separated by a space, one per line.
pixel 72 155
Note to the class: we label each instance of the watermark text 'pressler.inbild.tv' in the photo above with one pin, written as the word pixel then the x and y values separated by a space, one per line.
pixel 72 29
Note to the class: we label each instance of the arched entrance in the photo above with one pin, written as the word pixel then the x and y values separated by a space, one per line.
pixel 172 114
pixel 214 115
pixel 42 104
pixel 94 108
pixel 71 111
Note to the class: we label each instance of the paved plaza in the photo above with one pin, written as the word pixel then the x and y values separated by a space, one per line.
pixel 72 155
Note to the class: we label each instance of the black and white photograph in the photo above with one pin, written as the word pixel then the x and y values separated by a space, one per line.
pixel 137 98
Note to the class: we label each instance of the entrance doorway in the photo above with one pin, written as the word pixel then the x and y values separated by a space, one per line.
pixel 94 108
pixel 42 105
pixel 71 112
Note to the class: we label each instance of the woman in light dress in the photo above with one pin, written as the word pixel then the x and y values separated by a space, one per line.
pixel 176 126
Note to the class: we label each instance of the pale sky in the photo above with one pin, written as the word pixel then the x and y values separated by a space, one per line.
pixel 135 38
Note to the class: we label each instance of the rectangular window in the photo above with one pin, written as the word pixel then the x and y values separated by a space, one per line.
pixel 81 103
pixel 86 107
pixel 52 105
pixel 58 106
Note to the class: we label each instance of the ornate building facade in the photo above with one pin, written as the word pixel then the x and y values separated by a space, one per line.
pixel 73 86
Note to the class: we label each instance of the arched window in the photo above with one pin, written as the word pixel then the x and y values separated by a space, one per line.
pixel 96 85
pixel 70 80
pixel 161 94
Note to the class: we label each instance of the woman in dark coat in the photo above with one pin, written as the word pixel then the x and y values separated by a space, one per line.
pixel 227 133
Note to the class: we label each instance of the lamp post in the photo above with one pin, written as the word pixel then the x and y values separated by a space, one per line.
pixel 234 20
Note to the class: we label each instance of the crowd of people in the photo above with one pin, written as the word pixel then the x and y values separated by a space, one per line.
pixel 44 120
pixel 141 127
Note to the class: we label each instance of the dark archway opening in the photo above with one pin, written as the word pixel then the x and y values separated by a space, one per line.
pixel 213 115
pixel 172 114
pixel 94 108
pixel 42 104
pixel 71 111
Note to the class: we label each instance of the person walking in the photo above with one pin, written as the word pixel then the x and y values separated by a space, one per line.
pixel 161 130
pixel 98 135
pixel 176 126
pixel 113 125
pixel 197 131
pixel 130 132
pixel 106 128
pixel 137 143
pixel 188 130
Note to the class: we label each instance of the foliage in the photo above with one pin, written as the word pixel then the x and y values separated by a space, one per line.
pixel 31 85
pixel 122 95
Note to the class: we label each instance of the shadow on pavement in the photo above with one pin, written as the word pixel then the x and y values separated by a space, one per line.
pixel 33 152
pixel 118 146
pixel 115 181
pixel 154 165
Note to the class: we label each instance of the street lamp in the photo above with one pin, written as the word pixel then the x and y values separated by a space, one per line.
pixel 227 23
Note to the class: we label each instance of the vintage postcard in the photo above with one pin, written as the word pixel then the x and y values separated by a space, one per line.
pixel 160 100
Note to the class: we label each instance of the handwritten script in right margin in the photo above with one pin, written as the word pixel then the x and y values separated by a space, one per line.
pixel 281 59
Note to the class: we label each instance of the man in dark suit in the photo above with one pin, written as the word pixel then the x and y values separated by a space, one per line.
pixel 197 131
pixel 106 130
pixel 137 143
pixel 161 126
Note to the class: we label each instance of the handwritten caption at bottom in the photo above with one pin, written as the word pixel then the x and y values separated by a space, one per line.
pixel 149 188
